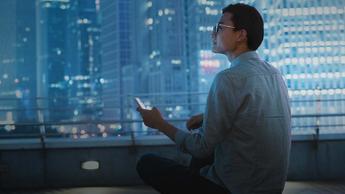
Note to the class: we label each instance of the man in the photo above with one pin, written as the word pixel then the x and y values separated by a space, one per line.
pixel 246 125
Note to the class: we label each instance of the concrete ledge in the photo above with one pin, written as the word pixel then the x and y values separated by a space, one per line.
pixel 29 164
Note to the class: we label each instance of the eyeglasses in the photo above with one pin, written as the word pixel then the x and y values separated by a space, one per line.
pixel 219 25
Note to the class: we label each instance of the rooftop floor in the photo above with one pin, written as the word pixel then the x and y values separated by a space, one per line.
pixel 334 187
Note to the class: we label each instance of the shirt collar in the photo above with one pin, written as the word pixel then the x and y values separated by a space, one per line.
pixel 244 57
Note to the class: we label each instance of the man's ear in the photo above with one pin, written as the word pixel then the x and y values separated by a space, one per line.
pixel 242 36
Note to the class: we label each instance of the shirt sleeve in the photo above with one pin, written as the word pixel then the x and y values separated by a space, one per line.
pixel 218 118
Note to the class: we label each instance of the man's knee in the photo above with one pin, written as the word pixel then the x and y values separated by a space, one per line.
pixel 145 163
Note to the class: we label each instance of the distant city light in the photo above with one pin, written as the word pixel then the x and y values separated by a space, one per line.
pixel 115 126
pixel 153 54
pixel 19 94
pixel 63 7
pixel 90 101
pixel 101 128
pixel 62 129
pixel 74 130
pixel 84 136
pixel 149 21
pixel 210 11
pixel 149 4
pixel 206 2
pixel 316 92
pixel 47 5
pixel 10 128
pixel 58 51
pixel 176 62
pixel 209 64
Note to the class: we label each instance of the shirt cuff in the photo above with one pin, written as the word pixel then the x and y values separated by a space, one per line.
pixel 180 137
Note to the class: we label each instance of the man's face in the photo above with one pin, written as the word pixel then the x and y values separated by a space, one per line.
pixel 225 39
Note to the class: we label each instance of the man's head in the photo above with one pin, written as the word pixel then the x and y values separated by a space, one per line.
pixel 240 27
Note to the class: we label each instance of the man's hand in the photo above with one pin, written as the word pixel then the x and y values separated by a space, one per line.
pixel 195 121
pixel 152 118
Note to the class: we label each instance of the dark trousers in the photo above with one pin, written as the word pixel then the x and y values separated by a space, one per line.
pixel 169 177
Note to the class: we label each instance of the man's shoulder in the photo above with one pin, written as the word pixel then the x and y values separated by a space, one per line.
pixel 229 77
pixel 227 74
pixel 252 68
pixel 237 72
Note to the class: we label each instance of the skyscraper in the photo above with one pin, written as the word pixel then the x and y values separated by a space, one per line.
pixel 26 59
pixel 18 61
pixel 69 59
pixel 118 36
pixel 86 86
pixel 57 55
pixel 123 51
pixel 201 16
pixel 305 41
pixel 166 60
pixel 143 53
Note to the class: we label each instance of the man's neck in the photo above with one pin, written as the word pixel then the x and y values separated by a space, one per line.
pixel 237 52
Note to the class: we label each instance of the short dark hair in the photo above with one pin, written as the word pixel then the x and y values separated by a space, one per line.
pixel 248 18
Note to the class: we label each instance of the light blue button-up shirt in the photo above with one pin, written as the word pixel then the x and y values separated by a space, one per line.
pixel 246 126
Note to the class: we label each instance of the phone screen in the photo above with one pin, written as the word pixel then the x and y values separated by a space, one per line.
pixel 140 103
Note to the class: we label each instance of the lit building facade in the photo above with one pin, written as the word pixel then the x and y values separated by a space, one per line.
pixel 305 41
pixel 18 61
pixel 68 65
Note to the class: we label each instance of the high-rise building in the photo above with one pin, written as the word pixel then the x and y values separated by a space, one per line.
pixel 69 59
pixel 118 36
pixel 123 51
pixel 57 56
pixel 18 61
pixel 166 62
pixel 201 16
pixel 143 52
pixel 305 41
pixel 158 49
pixel 85 80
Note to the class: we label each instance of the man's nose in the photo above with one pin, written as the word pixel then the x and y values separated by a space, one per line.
pixel 213 35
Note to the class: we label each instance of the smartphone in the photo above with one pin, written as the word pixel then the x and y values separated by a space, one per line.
pixel 140 103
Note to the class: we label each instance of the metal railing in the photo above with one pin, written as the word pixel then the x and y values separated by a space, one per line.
pixel 309 116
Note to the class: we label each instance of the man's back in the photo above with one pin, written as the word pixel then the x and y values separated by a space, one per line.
pixel 253 155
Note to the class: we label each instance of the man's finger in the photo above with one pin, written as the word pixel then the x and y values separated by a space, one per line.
pixel 140 110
